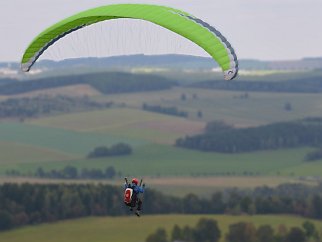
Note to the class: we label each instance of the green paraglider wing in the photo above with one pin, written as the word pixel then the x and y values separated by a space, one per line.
pixel 184 24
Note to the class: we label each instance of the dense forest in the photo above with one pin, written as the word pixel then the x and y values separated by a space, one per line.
pixel 37 203
pixel 46 105
pixel 109 82
pixel 219 137
pixel 207 230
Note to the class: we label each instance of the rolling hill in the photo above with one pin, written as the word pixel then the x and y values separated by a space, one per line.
pixel 168 61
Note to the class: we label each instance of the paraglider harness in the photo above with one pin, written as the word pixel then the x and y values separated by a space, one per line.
pixel 130 197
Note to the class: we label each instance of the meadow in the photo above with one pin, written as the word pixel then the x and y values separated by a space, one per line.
pixel 163 160
pixel 130 228
pixel 58 139
pixel 25 153
pixel 126 123
pixel 54 142
pixel 259 108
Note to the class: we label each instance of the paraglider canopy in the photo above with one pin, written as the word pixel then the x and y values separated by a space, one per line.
pixel 182 23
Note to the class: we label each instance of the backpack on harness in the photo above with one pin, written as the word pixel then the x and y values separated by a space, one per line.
pixel 128 197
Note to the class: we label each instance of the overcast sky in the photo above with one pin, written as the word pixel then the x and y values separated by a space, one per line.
pixel 257 29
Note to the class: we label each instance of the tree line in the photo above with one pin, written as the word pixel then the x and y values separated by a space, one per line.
pixel 114 150
pixel 107 83
pixel 314 155
pixel 165 110
pixel 207 230
pixel 69 172
pixel 30 107
pixel 219 137
pixel 38 203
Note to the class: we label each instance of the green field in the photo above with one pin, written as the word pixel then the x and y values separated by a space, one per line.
pixel 126 123
pixel 54 142
pixel 259 108
pixel 170 169
pixel 125 229
pixel 26 147
pixel 57 141
pixel 163 160
pixel 13 153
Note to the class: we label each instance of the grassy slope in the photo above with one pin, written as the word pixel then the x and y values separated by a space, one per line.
pixel 125 229
pixel 152 160
pixel 163 160
pixel 79 90
pixel 147 160
pixel 58 139
pixel 306 169
pixel 259 108
pixel 125 122
pixel 15 153
pixel 77 134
